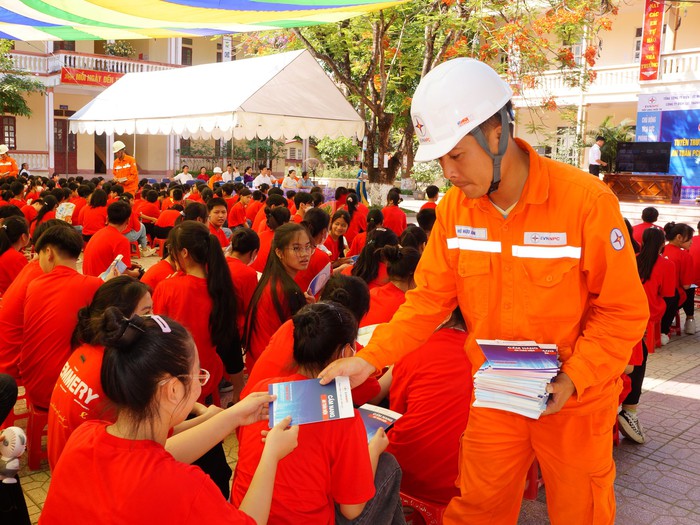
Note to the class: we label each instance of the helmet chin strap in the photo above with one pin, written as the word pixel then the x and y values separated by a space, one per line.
pixel 478 134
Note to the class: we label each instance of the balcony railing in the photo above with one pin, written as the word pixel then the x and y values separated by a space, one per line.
pixel 613 83
pixel 38 160
pixel 49 64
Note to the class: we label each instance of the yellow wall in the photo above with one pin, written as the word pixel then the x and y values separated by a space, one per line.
pixel 204 50
pixel 31 134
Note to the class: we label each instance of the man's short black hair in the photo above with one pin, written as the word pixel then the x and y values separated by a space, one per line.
pixel 67 241
pixel 432 191
pixel 118 212
pixel 426 219
pixel 650 214
pixel 600 137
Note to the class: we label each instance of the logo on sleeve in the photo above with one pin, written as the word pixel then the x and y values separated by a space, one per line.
pixel 617 239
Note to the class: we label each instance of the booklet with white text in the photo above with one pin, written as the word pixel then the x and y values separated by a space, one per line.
pixel 308 401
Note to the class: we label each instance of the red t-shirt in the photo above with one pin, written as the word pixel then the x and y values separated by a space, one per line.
pixel 264 251
pixel 77 397
pixel 245 279
pixel 17 202
pixel 358 224
pixel 167 218
pixel 47 216
pixel 131 481
pixel 394 219
pixel 318 261
pixel 357 244
pixel 166 204
pixel 430 205
pixel 149 209
pixel 12 318
pixel 50 316
pixel 134 222
pixel 332 246
pixel 103 247
pixel 30 213
pixel 80 203
pixel 383 303
pixel 264 325
pixel 695 256
pixel 252 210
pixel 432 388
pixel 236 216
pixel 330 465
pixel 186 300
pixel 296 218
pixel 94 219
pixel 11 263
pixel 157 273
pixel 260 218
pixel 684 267
pixel 219 234
pixel 639 229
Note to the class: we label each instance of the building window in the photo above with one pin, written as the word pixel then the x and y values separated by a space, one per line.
pixel 292 155
pixel 68 45
pixel 186 56
pixel 638 43
pixel 8 133
pixel 565 149
pixel 219 52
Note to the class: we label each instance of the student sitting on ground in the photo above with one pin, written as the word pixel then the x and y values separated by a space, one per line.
pixel 109 242
pixel 274 218
pixel 151 373
pixel 335 242
pixel 14 237
pixel 245 245
pixel 432 193
pixel 333 476
pixel 375 219
pixel 394 217
pixel 369 265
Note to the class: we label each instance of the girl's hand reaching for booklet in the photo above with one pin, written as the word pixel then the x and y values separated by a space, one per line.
pixel 281 439
pixel 560 390
pixel 253 408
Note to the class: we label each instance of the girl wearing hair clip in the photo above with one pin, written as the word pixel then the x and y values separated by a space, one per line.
pixel 334 475
pixel 202 298
pixel 151 374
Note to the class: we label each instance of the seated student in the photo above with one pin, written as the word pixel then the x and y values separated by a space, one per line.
pixel 80 202
pixel 257 202
pixel 318 197
pixel 369 265
pixel 413 237
pixel 159 272
pixel 245 245
pixel 202 298
pixel 51 311
pixel 290 201
pixel 695 256
pixel 278 358
pixel 176 196
pixel 12 308
pixel 14 237
pixel 679 237
pixel 432 388
pixel 273 201
pixel 394 217
pixel 151 374
pixel 30 211
pixel 109 242
pixel 342 478
pixel 335 242
pixel 149 212
pixel 166 220
pixel 17 189
pixel 302 202
pixel 385 300
pixel 277 297
pixel 649 216
pixel 426 219
pixel 275 217
pixel 135 230
pixel 358 221
pixel 237 215
pixel 94 214
pixel 217 217
pixel 45 213
pixel 341 193
pixel 375 218
pixel 432 193
pixel 316 221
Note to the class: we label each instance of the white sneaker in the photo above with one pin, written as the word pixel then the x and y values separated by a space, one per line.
pixel 664 339
pixel 147 252
pixel 689 327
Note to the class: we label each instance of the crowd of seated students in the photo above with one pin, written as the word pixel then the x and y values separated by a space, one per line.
pixel 128 367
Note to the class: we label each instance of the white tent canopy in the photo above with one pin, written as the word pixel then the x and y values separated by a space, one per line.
pixel 283 95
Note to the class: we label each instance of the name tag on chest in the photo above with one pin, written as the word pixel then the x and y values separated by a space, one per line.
pixel 545 238
pixel 468 232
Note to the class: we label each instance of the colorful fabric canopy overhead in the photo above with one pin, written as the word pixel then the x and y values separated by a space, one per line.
pixel 130 19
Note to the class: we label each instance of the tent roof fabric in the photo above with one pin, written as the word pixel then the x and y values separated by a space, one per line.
pixel 283 95
pixel 132 19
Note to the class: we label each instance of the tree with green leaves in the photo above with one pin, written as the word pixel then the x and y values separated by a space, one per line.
pixel 15 84
pixel 379 59
pixel 337 151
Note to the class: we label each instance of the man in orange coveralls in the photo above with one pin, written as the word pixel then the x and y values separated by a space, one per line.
pixel 125 171
pixel 8 165
pixel 530 250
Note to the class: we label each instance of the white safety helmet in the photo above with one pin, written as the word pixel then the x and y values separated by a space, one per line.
pixel 3 149
pixel 454 99
pixel 118 146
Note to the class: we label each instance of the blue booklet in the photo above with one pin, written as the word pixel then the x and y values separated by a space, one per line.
pixel 310 402
pixel 318 282
pixel 375 417
pixel 517 355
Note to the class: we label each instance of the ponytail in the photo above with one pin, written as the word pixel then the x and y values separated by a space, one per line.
pixel 401 262
pixel 652 242
pixel 11 230
pixel 375 218
pixel 351 203
pixel 276 217
pixel 367 265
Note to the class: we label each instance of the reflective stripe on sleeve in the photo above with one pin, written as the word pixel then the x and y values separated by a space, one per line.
pixel 547 252
pixel 474 245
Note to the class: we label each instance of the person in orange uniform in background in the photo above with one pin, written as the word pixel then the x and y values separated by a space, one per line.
pixel 8 165
pixel 529 250
pixel 125 170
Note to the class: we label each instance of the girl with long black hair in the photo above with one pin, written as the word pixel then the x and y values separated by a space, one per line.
pixel 335 242
pixel 14 236
pixel 369 265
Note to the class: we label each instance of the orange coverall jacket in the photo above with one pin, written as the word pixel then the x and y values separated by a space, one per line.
pixel 125 168
pixel 8 167
pixel 559 269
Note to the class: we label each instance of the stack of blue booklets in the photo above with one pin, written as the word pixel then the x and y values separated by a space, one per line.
pixel 515 375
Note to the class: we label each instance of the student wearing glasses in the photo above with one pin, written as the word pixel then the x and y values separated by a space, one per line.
pixel 151 374
pixel 277 297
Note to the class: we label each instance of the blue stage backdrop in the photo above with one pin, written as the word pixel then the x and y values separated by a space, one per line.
pixel 674 118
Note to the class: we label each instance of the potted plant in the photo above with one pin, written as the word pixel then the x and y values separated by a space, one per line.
pixel 425 174
pixel 118 48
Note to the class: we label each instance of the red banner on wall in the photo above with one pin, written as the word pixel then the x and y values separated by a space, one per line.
pixel 651 40
pixel 88 77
